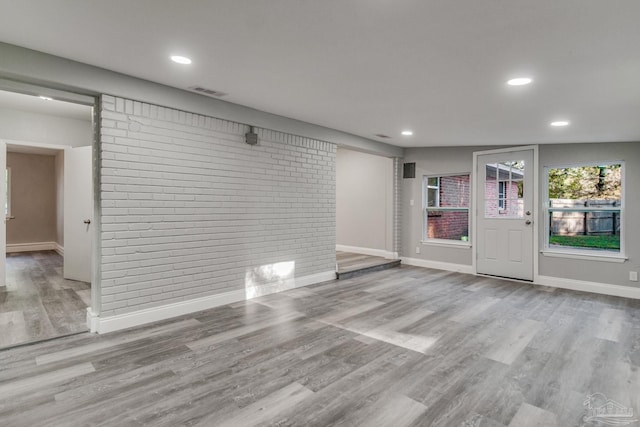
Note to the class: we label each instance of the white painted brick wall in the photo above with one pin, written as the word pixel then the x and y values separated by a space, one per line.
pixel 189 210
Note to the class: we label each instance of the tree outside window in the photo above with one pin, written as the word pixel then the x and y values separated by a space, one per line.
pixel 584 208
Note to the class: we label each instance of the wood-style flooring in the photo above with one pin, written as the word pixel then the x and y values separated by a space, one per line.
pixel 400 347
pixel 350 265
pixel 37 303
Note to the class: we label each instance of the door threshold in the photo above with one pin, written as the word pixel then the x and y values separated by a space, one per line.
pixel 28 343
pixel 493 276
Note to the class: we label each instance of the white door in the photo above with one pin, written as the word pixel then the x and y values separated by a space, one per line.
pixel 505 213
pixel 3 203
pixel 78 213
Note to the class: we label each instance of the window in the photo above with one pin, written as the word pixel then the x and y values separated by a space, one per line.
pixel 502 194
pixel 584 208
pixel 446 207
pixel 7 192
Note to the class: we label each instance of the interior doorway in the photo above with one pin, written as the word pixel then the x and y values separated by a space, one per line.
pixel 45 250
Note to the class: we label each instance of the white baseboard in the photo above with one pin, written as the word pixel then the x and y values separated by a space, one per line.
pixel 439 265
pixel 593 287
pixel 367 251
pixel 29 247
pixel 103 325
pixel 59 249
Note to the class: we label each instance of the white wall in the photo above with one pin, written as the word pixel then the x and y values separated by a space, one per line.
pixel 364 200
pixel 189 210
pixel 41 128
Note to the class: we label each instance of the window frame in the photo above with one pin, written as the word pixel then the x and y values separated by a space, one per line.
pixel 425 210
pixel 433 187
pixel 584 253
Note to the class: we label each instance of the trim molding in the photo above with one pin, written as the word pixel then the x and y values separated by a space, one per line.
pixel 593 287
pixel 102 325
pixel 59 249
pixel 367 251
pixel 29 247
pixel 439 265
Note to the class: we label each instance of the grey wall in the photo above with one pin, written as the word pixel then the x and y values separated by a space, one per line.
pixel 364 200
pixel 188 209
pixel 433 161
pixel 33 198
pixel 41 128
pixel 598 271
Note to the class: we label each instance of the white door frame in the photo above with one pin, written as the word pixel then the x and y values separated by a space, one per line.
pixel 92 100
pixel 536 203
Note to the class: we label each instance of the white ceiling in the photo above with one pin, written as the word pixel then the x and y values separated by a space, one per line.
pixel 437 67
pixel 34 104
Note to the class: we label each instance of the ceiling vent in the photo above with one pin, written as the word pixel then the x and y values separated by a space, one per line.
pixel 382 135
pixel 205 91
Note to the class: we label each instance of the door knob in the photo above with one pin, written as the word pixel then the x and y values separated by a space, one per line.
pixel 527 213
pixel 87 221
pixel 528 222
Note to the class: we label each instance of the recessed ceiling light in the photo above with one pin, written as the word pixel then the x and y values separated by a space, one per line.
pixel 560 123
pixel 181 59
pixel 46 98
pixel 520 81
pixel 407 132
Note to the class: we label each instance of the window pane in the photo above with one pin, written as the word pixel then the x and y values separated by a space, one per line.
pixel 432 197
pixel 586 183
pixel 448 225
pixel 491 191
pixel 452 192
pixel 504 189
pixel 571 190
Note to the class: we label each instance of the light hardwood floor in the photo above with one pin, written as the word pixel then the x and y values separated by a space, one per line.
pixel 400 347
pixel 37 302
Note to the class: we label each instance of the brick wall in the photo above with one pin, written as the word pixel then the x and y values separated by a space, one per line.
pixel 454 192
pixel 513 204
pixel 189 210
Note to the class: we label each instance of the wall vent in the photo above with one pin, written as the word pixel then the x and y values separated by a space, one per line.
pixel 205 91
pixel 382 135
pixel 409 170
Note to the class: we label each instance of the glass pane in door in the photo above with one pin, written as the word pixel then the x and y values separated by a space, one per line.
pixel 504 189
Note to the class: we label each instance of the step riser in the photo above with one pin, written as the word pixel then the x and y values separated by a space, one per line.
pixel 365 270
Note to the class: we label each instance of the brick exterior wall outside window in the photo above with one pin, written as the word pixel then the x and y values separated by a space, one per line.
pixel 512 208
pixel 453 191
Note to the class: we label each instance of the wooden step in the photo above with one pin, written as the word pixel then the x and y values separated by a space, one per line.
pixel 385 264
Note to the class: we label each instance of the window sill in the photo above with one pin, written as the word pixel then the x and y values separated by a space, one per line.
pixel 447 243
pixel 585 256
